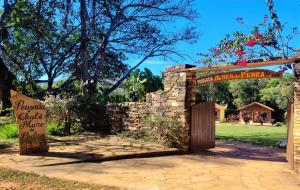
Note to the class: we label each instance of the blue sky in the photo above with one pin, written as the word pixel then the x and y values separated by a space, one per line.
pixel 218 18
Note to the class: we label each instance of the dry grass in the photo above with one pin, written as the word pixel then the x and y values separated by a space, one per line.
pixel 16 180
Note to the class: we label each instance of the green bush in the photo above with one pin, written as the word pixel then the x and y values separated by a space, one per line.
pixel 60 112
pixel 54 129
pixel 9 131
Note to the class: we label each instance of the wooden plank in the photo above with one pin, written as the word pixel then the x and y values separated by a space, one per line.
pixel 203 127
pixel 229 66
pixel 290 143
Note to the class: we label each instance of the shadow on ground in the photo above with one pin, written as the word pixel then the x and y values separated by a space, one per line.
pixel 98 158
pixel 5 146
pixel 245 151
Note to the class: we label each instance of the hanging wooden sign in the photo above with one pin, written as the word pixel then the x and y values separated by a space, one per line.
pixel 235 75
pixel 31 119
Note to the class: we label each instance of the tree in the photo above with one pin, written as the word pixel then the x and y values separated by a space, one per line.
pixel 279 91
pixel 141 82
pixel 44 44
pixel 153 83
pixel 135 89
pixel 136 28
pixel 246 91
pixel 6 80
pixel 36 45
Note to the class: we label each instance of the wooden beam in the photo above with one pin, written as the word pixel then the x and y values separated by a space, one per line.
pixel 250 65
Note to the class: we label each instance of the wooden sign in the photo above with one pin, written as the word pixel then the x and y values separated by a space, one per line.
pixel 235 75
pixel 31 118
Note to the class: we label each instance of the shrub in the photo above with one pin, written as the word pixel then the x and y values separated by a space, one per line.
pixel 164 130
pixel 54 129
pixel 59 112
pixel 9 131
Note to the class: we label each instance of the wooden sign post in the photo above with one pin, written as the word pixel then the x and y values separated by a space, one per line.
pixel 31 118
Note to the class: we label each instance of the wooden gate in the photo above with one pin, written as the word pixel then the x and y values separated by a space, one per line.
pixel 290 137
pixel 203 127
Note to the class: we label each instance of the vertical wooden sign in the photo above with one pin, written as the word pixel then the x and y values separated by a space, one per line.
pixel 31 118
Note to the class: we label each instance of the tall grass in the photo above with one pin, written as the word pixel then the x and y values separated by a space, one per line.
pixel 9 131
pixel 53 130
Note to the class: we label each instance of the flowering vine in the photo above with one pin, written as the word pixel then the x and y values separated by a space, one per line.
pixel 264 42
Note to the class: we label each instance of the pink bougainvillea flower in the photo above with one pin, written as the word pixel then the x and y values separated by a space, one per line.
pixel 251 42
pixel 239 53
pixel 241 63
pixel 258 35
pixel 217 52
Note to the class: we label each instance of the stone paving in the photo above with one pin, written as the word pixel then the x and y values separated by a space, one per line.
pixel 108 161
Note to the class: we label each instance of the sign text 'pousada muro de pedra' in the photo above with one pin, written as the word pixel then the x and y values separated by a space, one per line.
pixel 235 75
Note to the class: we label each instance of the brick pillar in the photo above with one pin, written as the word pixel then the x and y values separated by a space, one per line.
pixel 181 87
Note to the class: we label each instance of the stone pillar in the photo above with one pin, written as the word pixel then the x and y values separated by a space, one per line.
pixel 296 129
pixel 181 87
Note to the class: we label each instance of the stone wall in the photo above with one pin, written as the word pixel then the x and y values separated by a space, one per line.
pixel 129 115
pixel 175 101
pixel 177 98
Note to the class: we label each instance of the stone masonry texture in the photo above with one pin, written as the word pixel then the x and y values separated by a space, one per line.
pixel 175 100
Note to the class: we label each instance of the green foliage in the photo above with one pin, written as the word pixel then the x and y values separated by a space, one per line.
pixel 82 109
pixel 279 91
pixel 135 89
pixel 246 91
pixel 117 97
pixel 9 131
pixel 54 129
pixel 141 82
pixel 235 94
pixel 262 135
pixel 153 82
pixel 218 92
pixel 61 112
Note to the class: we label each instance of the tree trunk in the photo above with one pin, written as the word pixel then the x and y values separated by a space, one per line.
pixel 50 85
pixel 6 79
pixel 84 47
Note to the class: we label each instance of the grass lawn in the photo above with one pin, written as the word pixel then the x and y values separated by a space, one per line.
pixel 16 180
pixel 261 135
